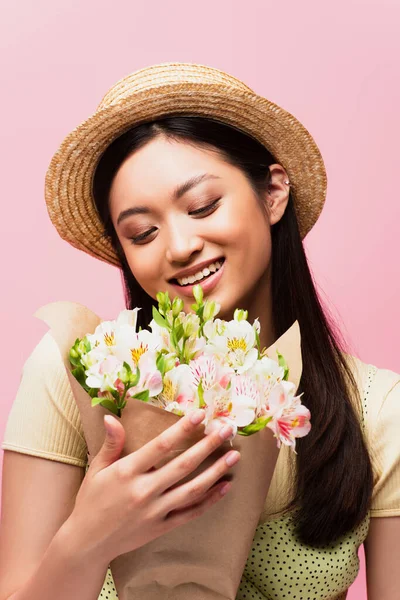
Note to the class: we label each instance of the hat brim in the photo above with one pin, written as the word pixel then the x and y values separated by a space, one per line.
pixel 68 182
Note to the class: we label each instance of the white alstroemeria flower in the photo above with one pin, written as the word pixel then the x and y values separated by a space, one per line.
pixel 104 374
pixel 267 373
pixel 178 387
pixel 103 336
pixel 207 368
pixel 94 356
pixel 164 336
pixel 235 345
pixel 150 377
pixel 235 406
pixel 130 346
pixel 214 328
pixel 245 398
pixel 128 317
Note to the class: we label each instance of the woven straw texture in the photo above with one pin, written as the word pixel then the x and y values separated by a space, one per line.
pixel 166 89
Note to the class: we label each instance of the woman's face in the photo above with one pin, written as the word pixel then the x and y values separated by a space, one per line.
pixel 213 226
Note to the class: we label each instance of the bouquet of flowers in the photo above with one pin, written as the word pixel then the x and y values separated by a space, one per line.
pixel 149 379
pixel 191 361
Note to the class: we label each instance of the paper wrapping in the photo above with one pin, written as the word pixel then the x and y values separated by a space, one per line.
pixel 203 559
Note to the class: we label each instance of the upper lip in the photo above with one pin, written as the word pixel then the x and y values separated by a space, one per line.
pixel 195 268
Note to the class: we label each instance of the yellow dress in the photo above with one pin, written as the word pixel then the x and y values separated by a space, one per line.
pixel 44 421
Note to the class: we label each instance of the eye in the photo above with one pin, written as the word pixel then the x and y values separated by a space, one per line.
pixel 206 209
pixel 143 236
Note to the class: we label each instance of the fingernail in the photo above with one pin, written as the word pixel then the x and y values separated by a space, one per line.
pixel 225 431
pixel 225 488
pixel 197 416
pixel 232 458
pixel 108 427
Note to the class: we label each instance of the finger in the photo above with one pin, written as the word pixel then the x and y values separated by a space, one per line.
pixel 192 491
pixel 151 453
pixel 182 516
pixel 188 461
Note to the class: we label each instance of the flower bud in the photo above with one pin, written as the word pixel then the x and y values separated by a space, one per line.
pixel 240 315
pixel 198 293
pixel 190 325
pixel 170 361
pixel 164 303
pixel 177 306
pixel 73 353
pixel 211 309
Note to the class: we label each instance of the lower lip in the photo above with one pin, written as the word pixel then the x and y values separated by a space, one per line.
pixel 206 284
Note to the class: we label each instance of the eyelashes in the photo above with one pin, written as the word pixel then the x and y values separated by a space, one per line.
pixel 204 211
pixel 207 208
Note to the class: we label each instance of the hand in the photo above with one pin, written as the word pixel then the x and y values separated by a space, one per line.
pixel 123 503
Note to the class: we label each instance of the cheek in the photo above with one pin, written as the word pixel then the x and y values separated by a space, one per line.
pixel 145 265
pixel 243 225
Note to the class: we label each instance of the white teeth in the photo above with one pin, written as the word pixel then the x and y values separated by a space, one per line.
pixel 212 268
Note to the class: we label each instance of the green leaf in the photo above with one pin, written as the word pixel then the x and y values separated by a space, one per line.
pixel 143 395
pixel 96 401
pixel 259 424
pixel 257 340
pixel 79 374
pixel 74 360
pixel 127 367
pixel 115 394
pixel 134 378
pixel 159 319
pixel 107 403
pixel 160 364
pixel 283 363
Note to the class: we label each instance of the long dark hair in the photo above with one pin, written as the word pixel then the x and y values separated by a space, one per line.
pixel 334 477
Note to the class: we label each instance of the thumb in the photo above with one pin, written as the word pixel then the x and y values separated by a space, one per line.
pixel 112 445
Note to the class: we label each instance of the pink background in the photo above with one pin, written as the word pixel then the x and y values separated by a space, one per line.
pixel 333 65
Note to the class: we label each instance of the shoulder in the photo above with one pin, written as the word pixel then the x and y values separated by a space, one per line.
pixel 377 385
pixel 67 321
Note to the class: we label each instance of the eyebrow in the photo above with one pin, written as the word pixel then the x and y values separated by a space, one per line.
pixel 179 191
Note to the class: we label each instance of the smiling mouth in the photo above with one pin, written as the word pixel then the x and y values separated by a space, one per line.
pixel 201 276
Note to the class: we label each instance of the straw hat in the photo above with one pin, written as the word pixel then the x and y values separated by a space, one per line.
pixel 165 89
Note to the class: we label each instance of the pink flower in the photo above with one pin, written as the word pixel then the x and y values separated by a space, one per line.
pixel 290 419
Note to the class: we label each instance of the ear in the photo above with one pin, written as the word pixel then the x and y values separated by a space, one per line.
pixel 278 193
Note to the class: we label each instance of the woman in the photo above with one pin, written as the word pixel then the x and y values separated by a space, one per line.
pixel 183 174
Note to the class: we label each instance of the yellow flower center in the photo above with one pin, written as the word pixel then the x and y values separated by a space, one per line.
pixel 295 422
pixel 109 339
pixel 136 353
pixel 237 344
pixel 168 390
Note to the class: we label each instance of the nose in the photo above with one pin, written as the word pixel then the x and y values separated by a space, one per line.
pixel 182 243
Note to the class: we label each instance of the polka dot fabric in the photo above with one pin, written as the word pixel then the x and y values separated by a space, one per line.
pixel 279 566
pixel 108 592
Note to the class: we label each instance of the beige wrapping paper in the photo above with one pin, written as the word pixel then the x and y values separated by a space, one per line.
pixel 205 558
